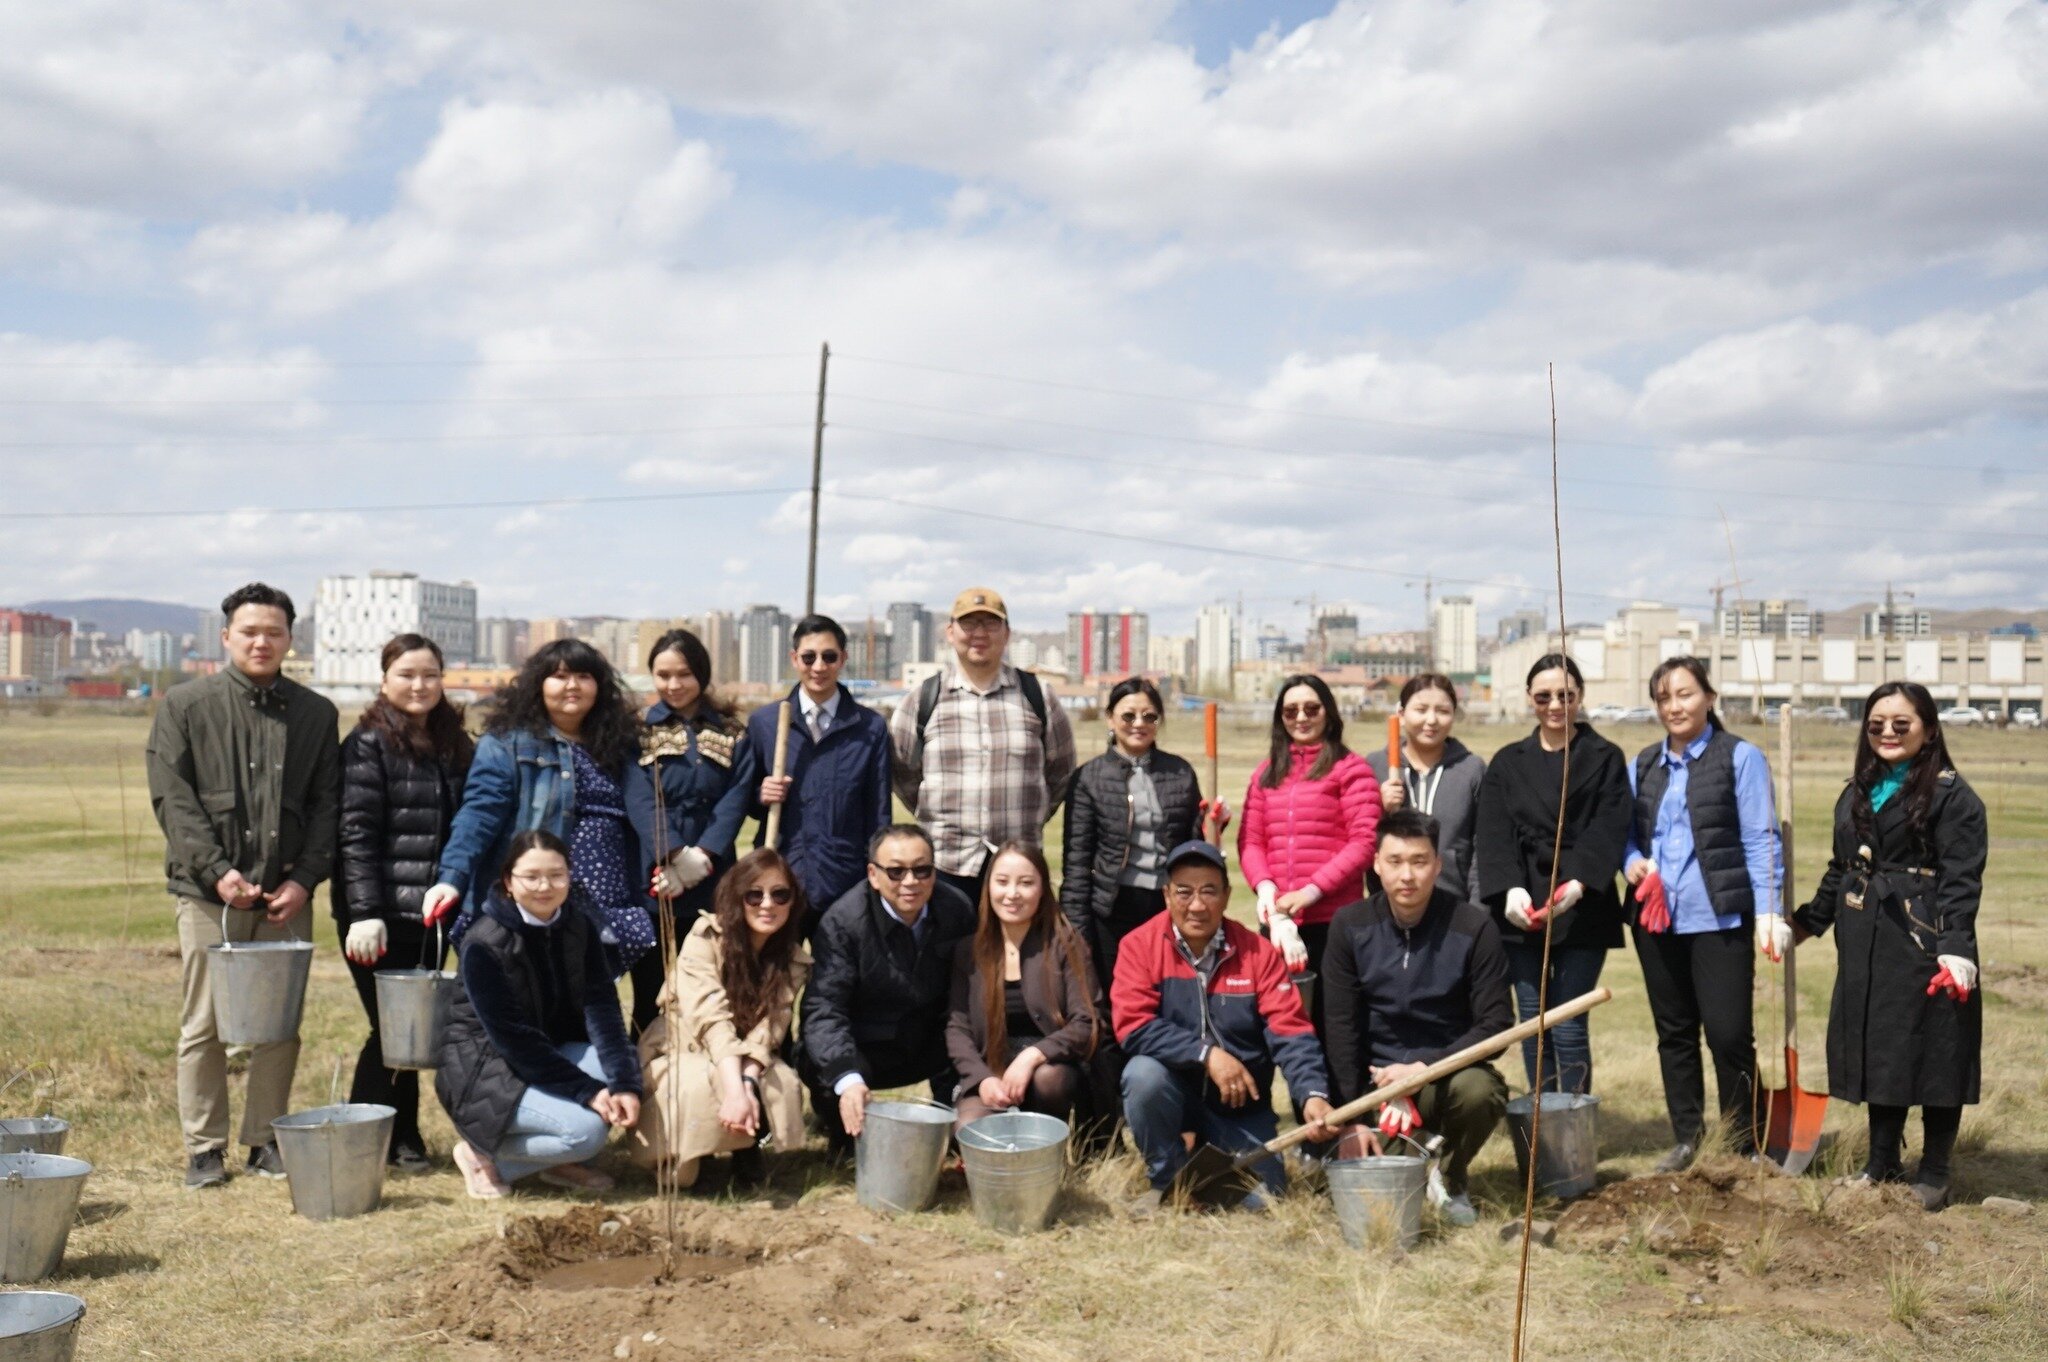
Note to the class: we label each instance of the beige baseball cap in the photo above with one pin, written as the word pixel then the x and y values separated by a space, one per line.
pixel 979 600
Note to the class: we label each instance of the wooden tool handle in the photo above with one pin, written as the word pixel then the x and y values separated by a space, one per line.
pixel 1787 892
pixel 782 715
pixel 1443 1068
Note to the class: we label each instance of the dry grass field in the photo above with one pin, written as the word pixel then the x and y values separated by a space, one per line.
pixel 1726 1263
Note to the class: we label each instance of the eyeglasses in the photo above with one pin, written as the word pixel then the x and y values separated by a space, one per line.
pixel 896 873
pixel 830 657
pixel 1544 699
pixel 1133 719
pixel 982 627
pixel 541 881
pixel 1185 894
pixel 1310 709
pixel 1900 727
pixel 781 896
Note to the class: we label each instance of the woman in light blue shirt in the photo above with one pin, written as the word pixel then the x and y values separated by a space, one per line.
pixel 1703 857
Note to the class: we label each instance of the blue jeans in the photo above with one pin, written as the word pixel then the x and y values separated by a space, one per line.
pixel 547 1130
pixel 1568 1046
pixel 1161 1103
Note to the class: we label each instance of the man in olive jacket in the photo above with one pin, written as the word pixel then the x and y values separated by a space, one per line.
pixel 245 776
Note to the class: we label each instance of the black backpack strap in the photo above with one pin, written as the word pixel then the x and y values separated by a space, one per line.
pixel 1034 695
pixel 927 701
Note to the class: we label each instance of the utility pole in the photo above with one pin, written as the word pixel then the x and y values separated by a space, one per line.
pixel 1428 585
pixel 817 470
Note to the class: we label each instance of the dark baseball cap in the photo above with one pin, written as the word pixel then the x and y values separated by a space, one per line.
pixel 1196 850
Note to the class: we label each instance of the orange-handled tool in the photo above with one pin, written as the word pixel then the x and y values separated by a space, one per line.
pixel 1393 744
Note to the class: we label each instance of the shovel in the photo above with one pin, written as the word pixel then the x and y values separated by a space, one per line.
pixel 1218 1178
pixel 1793 1117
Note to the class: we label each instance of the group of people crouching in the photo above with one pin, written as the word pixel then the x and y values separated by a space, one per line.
pixel 1417 895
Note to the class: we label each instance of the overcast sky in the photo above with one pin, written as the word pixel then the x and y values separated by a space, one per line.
pixel 1131 302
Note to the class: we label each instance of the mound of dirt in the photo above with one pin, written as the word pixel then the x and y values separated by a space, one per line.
pixel 817 1282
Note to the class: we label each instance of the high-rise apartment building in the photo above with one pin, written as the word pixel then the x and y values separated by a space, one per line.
pixel 1216 649
pixel 501 642
pixel 1770 619
pixel 764 645
pixel 357 616
pixel 1454 629
pixel 913 633
pixel 1106 644
pixel 721 639
pixel 34 644
pixel 1172 655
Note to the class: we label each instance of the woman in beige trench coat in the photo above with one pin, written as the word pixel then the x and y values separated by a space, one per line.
pixel 714 1072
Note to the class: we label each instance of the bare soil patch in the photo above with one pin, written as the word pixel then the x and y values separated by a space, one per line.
pixel 828 1281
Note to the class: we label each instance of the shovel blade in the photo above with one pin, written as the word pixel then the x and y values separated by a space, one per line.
pixel 1793 1121
pixel 1212 1178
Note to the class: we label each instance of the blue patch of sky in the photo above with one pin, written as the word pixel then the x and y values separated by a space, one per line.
pixel 1216 28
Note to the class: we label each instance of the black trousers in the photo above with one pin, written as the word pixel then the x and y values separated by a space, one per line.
pixel 881 1068
pixel 1702 981
pixel 1938 1127
pixel 398 1089
pixel 1130 908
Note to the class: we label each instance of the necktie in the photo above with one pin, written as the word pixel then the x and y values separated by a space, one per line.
pixel 817 725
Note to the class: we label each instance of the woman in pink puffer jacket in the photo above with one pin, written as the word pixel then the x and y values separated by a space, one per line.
pixel 1308 830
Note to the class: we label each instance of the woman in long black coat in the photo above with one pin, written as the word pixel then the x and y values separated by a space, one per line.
pixel 402 770
pixel 1516 834
pixel 1907 1025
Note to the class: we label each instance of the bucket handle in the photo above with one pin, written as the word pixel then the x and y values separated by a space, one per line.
pixel 50 1109
pixel 225 943
pixel 434 946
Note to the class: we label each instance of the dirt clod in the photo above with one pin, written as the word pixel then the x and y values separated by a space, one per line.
pixel 2005 1205
pixel 1543 1232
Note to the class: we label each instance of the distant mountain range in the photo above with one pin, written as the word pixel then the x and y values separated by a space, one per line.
pixel 117 615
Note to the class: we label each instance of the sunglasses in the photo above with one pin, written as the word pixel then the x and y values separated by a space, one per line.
pixel 895 873
pixel 830 657
pixel 1313 709
pixel 1899 727
pixel 1546 698
pixel 781 896
pixel 1143 716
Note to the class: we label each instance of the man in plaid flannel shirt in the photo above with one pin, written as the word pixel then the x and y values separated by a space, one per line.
pixel 986 769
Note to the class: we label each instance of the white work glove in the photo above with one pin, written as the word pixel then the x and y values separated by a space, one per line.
pixel 1518 909
pixel 1287 937
pixel 686 869
pixel 367 941
pixel 1563 901
pixel 440 901
pixel 1400 1117
pixel 1958 976
pixel 1269 893
pixel 1773 935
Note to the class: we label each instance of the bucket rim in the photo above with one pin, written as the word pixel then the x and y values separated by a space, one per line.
pixel 916 1113
pixel 408 975
pixel 1367 1162
pixel 33 1125
pixel 40 1166
pixel 1553 1102
pixel 267 947
pixel 63 1309
pixel 1035 1126
pixel 334 1114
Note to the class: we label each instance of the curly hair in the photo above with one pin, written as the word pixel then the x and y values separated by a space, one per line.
pixel 611 732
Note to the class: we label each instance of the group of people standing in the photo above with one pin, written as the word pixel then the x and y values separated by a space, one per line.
pixel 1408 895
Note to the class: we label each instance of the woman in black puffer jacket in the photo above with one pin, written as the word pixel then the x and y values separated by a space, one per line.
pixel 402 772
pixel 1126 809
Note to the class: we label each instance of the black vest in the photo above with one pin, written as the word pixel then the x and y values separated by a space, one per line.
pixel 1716 820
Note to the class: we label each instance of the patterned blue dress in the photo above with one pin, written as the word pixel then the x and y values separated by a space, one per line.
pixel 600 862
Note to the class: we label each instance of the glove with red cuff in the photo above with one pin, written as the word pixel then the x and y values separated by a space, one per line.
pixel 1957 977
pixel 1399 1117
pixel 1565 899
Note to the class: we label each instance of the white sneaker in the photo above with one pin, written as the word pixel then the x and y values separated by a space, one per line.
pixel 1439 1195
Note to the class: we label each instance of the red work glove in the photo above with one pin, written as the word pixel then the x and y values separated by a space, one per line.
pixel 1399 1117
pixel 1655 910
pixel 1957 975
pixel 1218 809
pixel 1561 902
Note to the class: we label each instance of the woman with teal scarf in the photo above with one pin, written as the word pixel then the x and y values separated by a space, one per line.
pixel 1907 1025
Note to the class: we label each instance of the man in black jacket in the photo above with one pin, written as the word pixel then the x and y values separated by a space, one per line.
pixel 874 1015
pixel 1414 974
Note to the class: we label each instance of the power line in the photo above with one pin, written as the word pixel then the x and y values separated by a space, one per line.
pixel 362 438
pixel 503 505
pixel 379 401
pixel 205 365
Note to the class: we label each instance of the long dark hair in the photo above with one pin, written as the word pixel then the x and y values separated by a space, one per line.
pixel 442 737
pixel 1921 775
pixel 756 980
pixel 1055 933
pixel 1278 757
pixel 1697 667
pixel 611 732
pixel 711 707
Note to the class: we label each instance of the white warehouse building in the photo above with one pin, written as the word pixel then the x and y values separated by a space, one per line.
pixel 357 616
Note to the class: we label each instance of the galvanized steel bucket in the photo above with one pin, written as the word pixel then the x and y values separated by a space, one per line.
pixel 259 989
pixel 1016 1161
pixel 38 1202
pixel 1568 1163
pixel 39 1326
pixel 33 1134
pixel 1379 1199
pixel 413 1007
pixel 897 1156
pixel 334 1158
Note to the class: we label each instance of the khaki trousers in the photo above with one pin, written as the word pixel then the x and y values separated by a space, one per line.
pixel 203 1058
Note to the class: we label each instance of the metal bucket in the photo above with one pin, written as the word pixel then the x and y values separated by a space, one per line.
pixel 413 1007
pixel 1305 985
pixel 1568 1163
pixel 1379 1199
pixel 39 1326
pixel 897 1155
pixel 33 1135
pixel 259 990
pixel 38 1201
pixel 334 1158
pixel 1016 1161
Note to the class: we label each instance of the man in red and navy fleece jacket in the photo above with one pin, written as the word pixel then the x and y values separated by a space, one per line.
pixel 1205 1010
